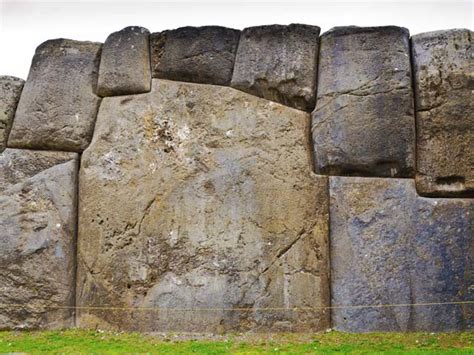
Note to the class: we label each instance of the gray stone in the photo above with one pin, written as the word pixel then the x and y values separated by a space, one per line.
pixel 390 246
pixel 201 197
pixel 37 238
pixel 125 63
pixel 364 120
pixel 444 76
pixel 195 54
pixel 58 105
pixel 10 90
pixel 279 63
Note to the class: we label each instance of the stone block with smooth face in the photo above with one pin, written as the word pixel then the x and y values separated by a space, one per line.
pixel 10 90
pixel 125 63
pixel 364 123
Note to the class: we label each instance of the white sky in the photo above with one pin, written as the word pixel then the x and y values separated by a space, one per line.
pixel 26 24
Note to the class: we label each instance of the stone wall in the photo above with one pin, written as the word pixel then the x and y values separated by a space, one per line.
pixel 216 180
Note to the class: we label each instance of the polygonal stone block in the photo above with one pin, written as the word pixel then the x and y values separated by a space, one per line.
pixel 444 74
pixel 279 63
pixel 10 90
pixel 364 122
pixel 195 54
pixel 409 259
pixel 58 105
pixel 37 239
pixel 125 63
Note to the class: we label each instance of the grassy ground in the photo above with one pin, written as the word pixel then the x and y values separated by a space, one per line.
pixel 74 341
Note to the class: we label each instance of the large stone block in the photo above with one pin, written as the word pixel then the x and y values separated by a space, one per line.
pixel 125 63
pixel 37 238
pixel 195 54
pixel 201 197
pixel 364 120
pixel 10 90
pixel 58 106
pixel 279 63
pixel 389 246
pixel 444 76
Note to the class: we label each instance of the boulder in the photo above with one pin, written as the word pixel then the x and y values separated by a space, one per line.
pixel 10 90
pixel 364 122
pixel 58 105
pixel 443 69
pixel 391 247
pixel 125 63
pixel 199 212
pixel 37 238
pixel 195 54
pixel 279 63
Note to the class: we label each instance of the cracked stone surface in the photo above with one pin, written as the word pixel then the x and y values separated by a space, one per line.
pixel 195 54
pixel 201 197
pixel 364 122
pixel 58 105
pixel 125 63
pixel 10 90
pixel 391 246
pixel 37 238
pixel 445 112
pixel 279 63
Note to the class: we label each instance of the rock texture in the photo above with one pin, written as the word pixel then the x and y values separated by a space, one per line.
pixel 444 76
pixel 279 63
pixel 10 90
pixel 364 121
pixel 195 54
pixel 58 106
pixel 37 238
pixel 390 246
pixel 125 63
pixel 201 197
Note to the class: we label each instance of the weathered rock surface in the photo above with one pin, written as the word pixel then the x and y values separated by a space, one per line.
pixel 58 106
pixel 390 246
pixel 201 197
pixel 195 54
pixel 10 90
pixel 444 76
pixel 37 238
pixel 279 63
pixel 364 121
pixel 125 63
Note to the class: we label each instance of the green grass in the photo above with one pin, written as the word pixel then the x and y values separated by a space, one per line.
pixel 95 342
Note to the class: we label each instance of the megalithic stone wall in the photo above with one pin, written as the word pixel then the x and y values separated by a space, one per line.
pixel 214 180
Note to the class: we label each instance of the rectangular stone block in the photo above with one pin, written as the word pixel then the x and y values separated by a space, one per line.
pixel 363 123
pixel 37 239
pixel 444 76
pixel 58 105
pixel 279 63
pixel 125 63
pixel 195 54
pixel 10 90
pixel 199 197
pixel 391 247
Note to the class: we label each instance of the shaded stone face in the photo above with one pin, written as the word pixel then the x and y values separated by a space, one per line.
pixel 125 63
pixel 10 90
pixel 195 54
pixel 390 246
pixel 201 197
pixel 279 63
pixel 445 113
pixel 37 238
pixel 364 121
pixel 58 106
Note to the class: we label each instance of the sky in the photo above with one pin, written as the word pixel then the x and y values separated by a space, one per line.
pixel 26 24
